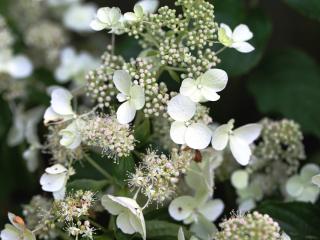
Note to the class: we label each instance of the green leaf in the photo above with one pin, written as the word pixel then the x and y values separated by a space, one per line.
pixel 309 8
pixel 87 184
pixel 299 220
pixel 163 230
pixel 142 132
pixel 288 83
pixel 121 168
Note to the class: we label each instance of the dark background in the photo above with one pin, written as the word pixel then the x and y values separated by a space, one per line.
pixel 288 29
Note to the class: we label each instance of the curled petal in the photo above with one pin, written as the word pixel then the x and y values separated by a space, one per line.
pixel 248 132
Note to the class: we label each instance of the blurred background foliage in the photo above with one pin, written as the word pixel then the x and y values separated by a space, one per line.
pixel 280 79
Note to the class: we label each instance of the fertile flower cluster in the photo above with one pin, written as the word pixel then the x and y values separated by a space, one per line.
pixel 38 216
pixel 158 175
pixel 281 141
pixel 70 211
pixel 99 81
pixel 252 226
pixel 104 132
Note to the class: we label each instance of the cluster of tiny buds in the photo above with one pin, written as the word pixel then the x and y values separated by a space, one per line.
pixel 105 132
pixel 252 226
pixel 156 94
pixel 281 141
pixel 99 82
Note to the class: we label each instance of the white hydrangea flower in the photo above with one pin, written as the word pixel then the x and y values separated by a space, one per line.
pixel 240 179
pixel 135 16
pixel 130 218
pixel 205 87
pixel 131 95
pixel 71 137
pixel 18 66
pixel 236 39
pixel 54 180
pixel 300 187
pixel 195 135
pixel 16 230
pixel 73 65
pixel 108 18
pixel 79 16
pixel 60 108
pixel 238 139
pixel 192 210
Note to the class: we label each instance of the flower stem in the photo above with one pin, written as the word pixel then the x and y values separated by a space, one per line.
pixel 99 168
pixel 220 50
pixel 175 69
pixel 113 40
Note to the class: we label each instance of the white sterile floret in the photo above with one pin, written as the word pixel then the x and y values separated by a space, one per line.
pixel 16 230
pixel 316 180
pixel 60 108
pixel 79 16
pixel 135 16
pixel 205 87
pixel 130 218
pixel 71 136
pixel 18 66
pixel 239 140
pixel 108 18
pixel 300 186
pixel 189 209
pixel 131 95
pixel 54 180
pixel 236 39
pixel 74 66
pixel 195 135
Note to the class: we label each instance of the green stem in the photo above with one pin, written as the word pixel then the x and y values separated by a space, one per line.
pixel 175 69
pixel 221 50
pixel 99 168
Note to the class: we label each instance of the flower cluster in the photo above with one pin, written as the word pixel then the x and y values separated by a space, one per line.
pixel 252 226
pixel 158 175
pixel 104 132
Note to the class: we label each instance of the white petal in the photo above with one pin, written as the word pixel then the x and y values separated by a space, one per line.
pixel 212 209
pixel 138 223
pixel 242 33
pixel 181 234
pixel 124 224
pixel 240 150
pixel 149 6
pixel 10 233
pixel 316 180
pixel 61 101
pixel 198 136
pixel 51 116
pixel 247 205
pixel 59 195
pixel 122 81
pixel 243 47
pixel 209 94
pixel 177 132
pixel 220 136
pixel 137 96
pixel 121 97
pixel 130 17
pixel 215 79
pixel 294 186
pixel 181 108
pixel 56 169
pixel 249 132
pixel 20 67
pixel 31 156
pixel 227 29
pixel 126 112
pixel 308 171
pixel 103 14
pixel 111 205
pixel 97 25
pixel 309 194
pixel 52 182
pixel 188 87
pixel 240 179
pixel 182 207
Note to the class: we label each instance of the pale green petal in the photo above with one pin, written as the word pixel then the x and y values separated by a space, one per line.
pixel 182 207
pixel 294 186
pixel 240 179
pixel 137 96
pixel 308 171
